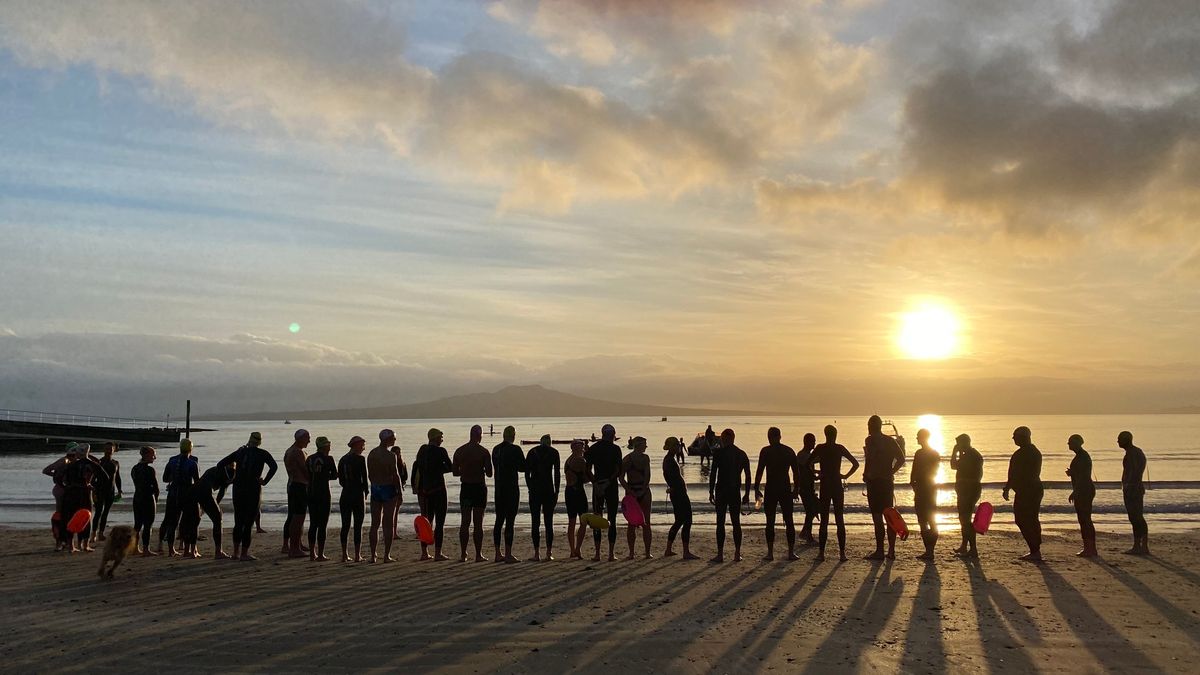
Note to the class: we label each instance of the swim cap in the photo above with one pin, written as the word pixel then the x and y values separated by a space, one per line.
pixel 185 445
pixel 355 440
pixel 637 439
pixel 608 429
pixel 256 436
pixel 322 442
pixel 301 433
pixel 434 433
pixel 83 448
pixel 546 440
pixel 671 443
pixel 963 439
pixel 386 434
pixel 72 448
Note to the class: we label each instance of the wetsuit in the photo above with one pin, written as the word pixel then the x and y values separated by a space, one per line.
pixel 429 480
pixel 352 476
pixel 1025 477
pixel 883 457
pixel 636 468
pixel 967 464
pixel 681 504
pixel 542 476
pixel 247 489
pixel 180 474
pixel 145 500
pixel 1083 491
pixel 78 479
pixel 724 484
pixel 576 470
pixel 1133 465
pixel 321 470
pixel 923 479
pixel 106 491
pixel 508 462
pixel 777 461
pixel 829 457
pixel 806 486
pixel 604 460
pixel 216 479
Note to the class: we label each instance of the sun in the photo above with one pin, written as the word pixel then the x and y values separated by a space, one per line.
pixel 929 332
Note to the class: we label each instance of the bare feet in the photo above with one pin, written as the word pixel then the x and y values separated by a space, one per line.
pixel 147 553
pixel 425 556
pixel 877 555
pixel 479 557
pixel 439 557
pixel 510 559
pixel 690 556
pixel 648 556
pixel 770 557
pixel 596 558
pixel 630 556
pixel 548 558
pixel 248 558
pixel 668 553
pixel 891 555
pixel 925 556
pixel 737 557
pixel 842 556
pixel 820 557
pixel 322 558
pixel 537 557
pixel 220 555
pixel 359 558
pixel 793 556
pixel 612 558
pixel 718 559
pixel 462 558
pixel 1031 557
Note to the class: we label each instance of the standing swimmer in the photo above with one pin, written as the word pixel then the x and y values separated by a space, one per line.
pixel 402 472
pixel 321 470
pixel 429 483
pixel 1133 465
pixel 542 476
pixel 248 483
pixel 145 498
pixel 472 463
pixel 604 460
pixel 384 474
pixel 830 455
pixel 180 474
pixel 352 476
pixel 923 479
pixel 79 477
pixel 967 464
pixel 681 504
pixel 57 471
pixel 806 488
pixel 508 461
pixel 777 460
pixel 107 491
pixel 1025 477
pixel 294 462
pixel 217 479
pixel 578 474
pixel 1083 493
pixel 724 492
pixel 635 478
pixel 882 460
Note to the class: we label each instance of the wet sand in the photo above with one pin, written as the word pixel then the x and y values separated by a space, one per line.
pixel 1069 615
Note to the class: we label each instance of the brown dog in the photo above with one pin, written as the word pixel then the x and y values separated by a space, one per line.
pixel 120 543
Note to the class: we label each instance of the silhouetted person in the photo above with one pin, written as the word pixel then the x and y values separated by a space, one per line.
pixel 352 476
pixel 681 504
pixel 778 461
pixel 1134 490
pixel 577 474
pixel 248 483
pixel 604 460
pixel 806 488
pixel 429 482
pixel 828 457
pixel 1083 493
pixel 383 473
pixel 725 492
pixel 923 478
pixel 543 472
pixel 635 478
pixel 180 474
pixel 883 458
pixel 294 462
pixel 472 463
pixel 967 464
pixel 1025 477
pixel 508 462
pixel 107 491
pixel 321 470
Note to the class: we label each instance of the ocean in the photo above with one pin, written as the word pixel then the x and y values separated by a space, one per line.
pixel 1171 443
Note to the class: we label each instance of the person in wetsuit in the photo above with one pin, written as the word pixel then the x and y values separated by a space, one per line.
pixel 923 479
pixel 145 498
pixel 107 491
pixel 578 474
pixel 1133 465
pixel 352 476
pixel 1083 493
pixel 216 479
pixel 384 474
pixel 248 482
pixel 180 474
pixel 828 456
pixel 681 504
pixel 56 471
pixel 508 463
pixel 778 461
pixel 294 462
pixel 604 461
pixel 635 478
pixel 725 492
pixel 883 459
pixel 1025 477
pixel 78 478
pixel 542 477
pixel 321 469
pixel 806 488
pixel 429 483
pixel 967 464
pixel 472 463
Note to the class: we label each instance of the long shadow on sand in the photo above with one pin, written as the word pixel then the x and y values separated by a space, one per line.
pixel 924 650
pixel 1111 649
pixel 992 602
pixel 865 617
pixel 1185 622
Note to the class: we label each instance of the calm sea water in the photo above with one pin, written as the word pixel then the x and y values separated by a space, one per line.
pixel 1171 442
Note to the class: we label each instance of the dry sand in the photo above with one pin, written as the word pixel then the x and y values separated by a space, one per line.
pixel 1119 613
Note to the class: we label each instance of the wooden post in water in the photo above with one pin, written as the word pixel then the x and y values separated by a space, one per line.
pixel 187 425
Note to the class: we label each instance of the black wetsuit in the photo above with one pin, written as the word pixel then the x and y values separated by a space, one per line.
pixel 778 462
pixel 681 504
pixel 106 491
pixel 1025 477
pixel 247 489
pixel 180 474
pixel 604 459
pixel 882 458
pixel 923 479
pixel 145 500
pixel 352 476
pixel 430 469
pixel 967 465
pixel 829 457
pixel 542 475
pixel 216 479
pixel 806 486
pixel 725 485
pixel 1133 465
pixel 508 463
pixel 78 479
pixel 1084 493
pixel 321 470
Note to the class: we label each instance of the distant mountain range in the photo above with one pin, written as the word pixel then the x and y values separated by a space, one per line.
pixel 510 402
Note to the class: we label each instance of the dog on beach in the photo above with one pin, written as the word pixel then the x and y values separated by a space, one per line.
pixel 119 544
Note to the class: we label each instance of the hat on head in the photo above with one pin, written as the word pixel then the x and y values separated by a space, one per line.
pixel 385 434
pixel 355 440
pixel 322 442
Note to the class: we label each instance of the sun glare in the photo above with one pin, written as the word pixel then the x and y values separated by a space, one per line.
pixel 928 332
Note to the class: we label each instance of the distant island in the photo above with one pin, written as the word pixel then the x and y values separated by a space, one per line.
pixel 510 402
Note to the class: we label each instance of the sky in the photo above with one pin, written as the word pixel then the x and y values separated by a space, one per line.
pixel 330 204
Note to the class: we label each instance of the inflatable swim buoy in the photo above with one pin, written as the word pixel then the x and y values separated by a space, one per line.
pixel 79 521
pixel 594 521
pixel 983 517
pixel 632 510
pixel 896 522
pixel 424 530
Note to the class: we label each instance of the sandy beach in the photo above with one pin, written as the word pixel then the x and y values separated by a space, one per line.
pixel 1068 615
